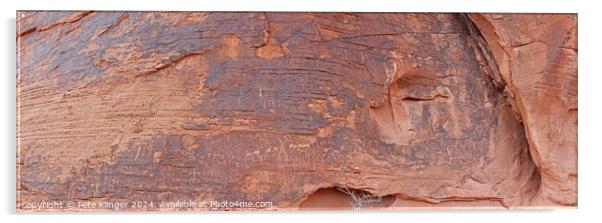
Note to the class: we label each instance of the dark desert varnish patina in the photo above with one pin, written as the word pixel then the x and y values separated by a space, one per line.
pixel 296 110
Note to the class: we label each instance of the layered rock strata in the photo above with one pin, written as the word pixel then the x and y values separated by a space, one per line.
pixel 298 110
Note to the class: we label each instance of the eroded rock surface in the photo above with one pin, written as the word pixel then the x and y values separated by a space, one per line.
pixel 537 60
pixel 417 110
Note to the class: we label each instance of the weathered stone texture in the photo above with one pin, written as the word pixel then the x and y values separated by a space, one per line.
pixel 421 110
pixel 537 57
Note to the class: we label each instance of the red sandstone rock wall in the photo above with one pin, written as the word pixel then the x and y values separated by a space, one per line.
pixel 536 56
pixel 303 110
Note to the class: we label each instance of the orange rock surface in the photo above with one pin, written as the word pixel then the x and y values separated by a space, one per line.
pixel 536 56
pixel 298 110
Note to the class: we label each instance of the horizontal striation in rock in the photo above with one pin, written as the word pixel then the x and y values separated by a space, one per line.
pixel 289 108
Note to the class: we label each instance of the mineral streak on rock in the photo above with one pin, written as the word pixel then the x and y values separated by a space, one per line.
pixel 303 110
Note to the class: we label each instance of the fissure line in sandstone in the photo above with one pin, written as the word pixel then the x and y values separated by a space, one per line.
pixel 73 19
pixel 483 52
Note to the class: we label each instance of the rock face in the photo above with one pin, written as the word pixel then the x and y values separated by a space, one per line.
pixel 536 57
pixel 295 110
